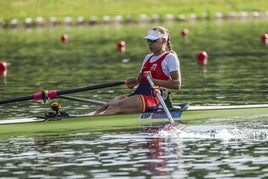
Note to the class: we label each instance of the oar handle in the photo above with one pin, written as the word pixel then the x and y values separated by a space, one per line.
pixel 161 100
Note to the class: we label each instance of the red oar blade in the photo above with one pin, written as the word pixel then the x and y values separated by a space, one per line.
pixel 174 125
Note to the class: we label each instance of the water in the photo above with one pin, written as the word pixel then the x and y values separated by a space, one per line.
pixel 236 74
pixel 197 152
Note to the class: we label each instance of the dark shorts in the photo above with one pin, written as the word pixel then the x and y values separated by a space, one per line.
pixel 149 103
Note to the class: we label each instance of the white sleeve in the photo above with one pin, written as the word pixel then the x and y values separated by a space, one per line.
pixel 171 63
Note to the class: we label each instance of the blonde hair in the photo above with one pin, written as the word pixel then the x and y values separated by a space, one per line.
pixel 163 30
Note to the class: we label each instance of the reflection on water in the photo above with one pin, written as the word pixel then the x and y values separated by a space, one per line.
pixel 198 151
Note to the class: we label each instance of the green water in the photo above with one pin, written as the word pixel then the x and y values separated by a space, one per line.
pixel 236 72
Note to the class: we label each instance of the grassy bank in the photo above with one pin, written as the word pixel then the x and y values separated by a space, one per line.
pixel 21 9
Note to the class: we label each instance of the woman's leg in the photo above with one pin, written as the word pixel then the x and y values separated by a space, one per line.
pixel 105 106
pixel 130 104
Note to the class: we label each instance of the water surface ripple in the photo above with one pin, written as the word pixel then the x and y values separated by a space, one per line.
pixel 221 151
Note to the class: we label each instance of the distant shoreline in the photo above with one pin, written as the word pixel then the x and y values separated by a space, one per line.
pixel 120 20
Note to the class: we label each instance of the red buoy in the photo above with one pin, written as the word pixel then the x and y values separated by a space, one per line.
pixel 3 68
pixel 64 38
pixel 184 32
pixel 202 57
pixel 121 46
pixel 264 38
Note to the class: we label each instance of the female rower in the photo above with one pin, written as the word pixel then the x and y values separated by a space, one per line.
pixel 164 68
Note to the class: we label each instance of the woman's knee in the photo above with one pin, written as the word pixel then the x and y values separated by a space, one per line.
pixel 113 108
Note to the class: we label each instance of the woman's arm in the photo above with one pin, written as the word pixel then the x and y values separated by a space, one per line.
pixel 174 83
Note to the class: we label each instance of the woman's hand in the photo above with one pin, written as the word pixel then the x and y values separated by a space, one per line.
pixel 147 73
pixel 132 82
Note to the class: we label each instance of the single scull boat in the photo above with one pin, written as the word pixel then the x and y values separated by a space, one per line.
pixel 49 125
pixel 32 126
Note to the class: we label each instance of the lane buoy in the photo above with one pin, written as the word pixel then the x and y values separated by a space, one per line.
pixel 3 68
pixel 121 46
pixel 202 57
pixel 264 39
pixel 184 32
pixel 64 38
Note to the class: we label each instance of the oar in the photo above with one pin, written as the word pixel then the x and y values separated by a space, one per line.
pixel 82 100
pixel 54 93
pixel 162 102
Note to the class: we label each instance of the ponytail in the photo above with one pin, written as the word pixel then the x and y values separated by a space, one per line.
pixel 165 31
pixel 169 46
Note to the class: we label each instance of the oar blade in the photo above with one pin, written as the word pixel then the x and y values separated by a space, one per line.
pixel 174 126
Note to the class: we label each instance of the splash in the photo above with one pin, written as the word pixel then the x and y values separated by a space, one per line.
pixel 222 132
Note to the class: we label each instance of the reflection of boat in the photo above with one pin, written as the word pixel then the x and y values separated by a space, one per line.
pixel 82 123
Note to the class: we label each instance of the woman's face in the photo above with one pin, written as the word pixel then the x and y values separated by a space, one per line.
pixel 155 45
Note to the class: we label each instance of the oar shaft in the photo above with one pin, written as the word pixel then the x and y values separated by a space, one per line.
pixel 54 93
pixel 105 85
pixel 82 100
pixel 162 102
pixel 24 98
